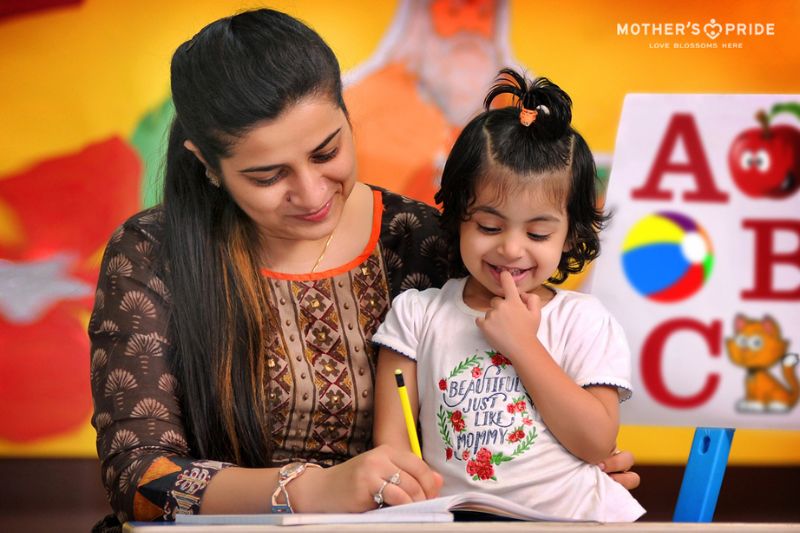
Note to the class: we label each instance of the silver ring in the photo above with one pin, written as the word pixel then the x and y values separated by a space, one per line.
pixel 378 496
pixel 395 479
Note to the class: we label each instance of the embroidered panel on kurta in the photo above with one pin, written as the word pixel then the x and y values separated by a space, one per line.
pixel 322 400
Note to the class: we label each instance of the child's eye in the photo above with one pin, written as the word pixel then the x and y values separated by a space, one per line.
pixel 487 229
pixel 325 156
pixel 538 237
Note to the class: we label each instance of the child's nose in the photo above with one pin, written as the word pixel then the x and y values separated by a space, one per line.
pixel 511 247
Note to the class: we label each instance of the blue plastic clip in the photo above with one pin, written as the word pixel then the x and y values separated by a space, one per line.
pixel 703 475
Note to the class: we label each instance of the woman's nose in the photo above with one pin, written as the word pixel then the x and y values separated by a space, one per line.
pixel 308 189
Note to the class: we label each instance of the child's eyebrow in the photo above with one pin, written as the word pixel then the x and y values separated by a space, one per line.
pixel 539 218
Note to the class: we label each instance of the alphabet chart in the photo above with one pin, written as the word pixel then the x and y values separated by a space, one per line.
pixel 701 260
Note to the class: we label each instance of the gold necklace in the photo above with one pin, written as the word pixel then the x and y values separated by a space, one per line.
pixel 324 249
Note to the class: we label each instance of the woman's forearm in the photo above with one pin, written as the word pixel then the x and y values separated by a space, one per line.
pixel 249 490
pixel 240 491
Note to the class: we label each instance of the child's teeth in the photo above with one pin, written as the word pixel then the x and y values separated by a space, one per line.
pixel 512 271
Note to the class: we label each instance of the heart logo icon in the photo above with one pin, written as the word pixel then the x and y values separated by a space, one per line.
pixel 713 29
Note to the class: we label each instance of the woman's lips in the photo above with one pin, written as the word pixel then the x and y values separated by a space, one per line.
pixel 318 215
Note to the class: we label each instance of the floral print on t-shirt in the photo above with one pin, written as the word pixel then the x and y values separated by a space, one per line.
pixel 485 416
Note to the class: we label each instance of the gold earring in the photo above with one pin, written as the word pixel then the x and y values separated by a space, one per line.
pixel 212 178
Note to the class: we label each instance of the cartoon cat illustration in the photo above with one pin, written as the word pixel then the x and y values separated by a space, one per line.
pixel 757 345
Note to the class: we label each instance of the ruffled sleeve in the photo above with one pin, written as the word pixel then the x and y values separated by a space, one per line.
pixel 597 351
pixel 402 328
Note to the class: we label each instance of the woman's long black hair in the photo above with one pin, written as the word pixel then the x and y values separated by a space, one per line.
pixel 235 73
pixel 496 143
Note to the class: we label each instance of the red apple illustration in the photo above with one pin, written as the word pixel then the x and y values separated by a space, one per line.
pixel 765 162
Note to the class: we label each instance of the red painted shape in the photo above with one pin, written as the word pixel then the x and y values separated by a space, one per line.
pixel 44 375
pixel 72 203
pixel 10 8
pixel 66 205
pixel 686 286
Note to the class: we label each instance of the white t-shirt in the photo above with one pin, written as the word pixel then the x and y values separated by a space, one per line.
pixel 479 427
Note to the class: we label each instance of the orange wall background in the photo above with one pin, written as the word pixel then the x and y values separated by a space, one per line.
pixel 77 75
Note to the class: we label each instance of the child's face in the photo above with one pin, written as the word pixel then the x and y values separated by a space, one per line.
pixel 523 232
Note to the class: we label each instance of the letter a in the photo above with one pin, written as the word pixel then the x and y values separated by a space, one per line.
pixel 683 127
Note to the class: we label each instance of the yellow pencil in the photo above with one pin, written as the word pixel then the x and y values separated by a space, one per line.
pixel 410 425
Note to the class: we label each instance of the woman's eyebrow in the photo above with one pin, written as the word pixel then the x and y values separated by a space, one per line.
pixel 539 218
pixel 328 139
pixel 267 168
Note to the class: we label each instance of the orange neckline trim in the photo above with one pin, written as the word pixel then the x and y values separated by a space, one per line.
pixel 377 214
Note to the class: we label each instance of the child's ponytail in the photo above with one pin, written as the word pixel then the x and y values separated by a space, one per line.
pixel 529 141
pixel 545 110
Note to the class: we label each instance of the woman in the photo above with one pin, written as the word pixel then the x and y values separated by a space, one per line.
pixel 232 324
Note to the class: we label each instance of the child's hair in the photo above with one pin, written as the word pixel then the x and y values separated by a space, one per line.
pixel 497 148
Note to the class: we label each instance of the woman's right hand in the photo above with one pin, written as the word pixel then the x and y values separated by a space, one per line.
pixel 350 487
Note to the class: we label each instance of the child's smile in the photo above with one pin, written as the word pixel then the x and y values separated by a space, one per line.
pixel 517 273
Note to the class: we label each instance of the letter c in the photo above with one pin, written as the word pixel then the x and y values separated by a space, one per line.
pixel 652 354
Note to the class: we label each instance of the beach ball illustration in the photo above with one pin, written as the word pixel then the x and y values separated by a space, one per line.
pixel 667 256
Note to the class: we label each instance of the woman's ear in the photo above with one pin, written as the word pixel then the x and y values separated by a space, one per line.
pixel 189 145
pixel 212 178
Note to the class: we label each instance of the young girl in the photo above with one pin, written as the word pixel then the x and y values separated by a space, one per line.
pixel 516 383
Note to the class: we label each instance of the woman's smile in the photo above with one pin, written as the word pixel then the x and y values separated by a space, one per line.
pixel 319 215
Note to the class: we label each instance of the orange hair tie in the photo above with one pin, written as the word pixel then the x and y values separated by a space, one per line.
pixel 527 116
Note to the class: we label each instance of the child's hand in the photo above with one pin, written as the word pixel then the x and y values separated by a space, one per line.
pixel 511 324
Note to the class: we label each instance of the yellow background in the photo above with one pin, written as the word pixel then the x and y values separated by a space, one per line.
pixel 75 75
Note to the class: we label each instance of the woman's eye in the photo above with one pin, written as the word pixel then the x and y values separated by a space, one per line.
pixel 538 237
pixel 266 182
pixel 325 156
pixel 487 229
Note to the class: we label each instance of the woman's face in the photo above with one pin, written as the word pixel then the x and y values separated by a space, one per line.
pixel 292 175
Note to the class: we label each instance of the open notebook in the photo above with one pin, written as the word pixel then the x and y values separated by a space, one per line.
pixel 435 510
